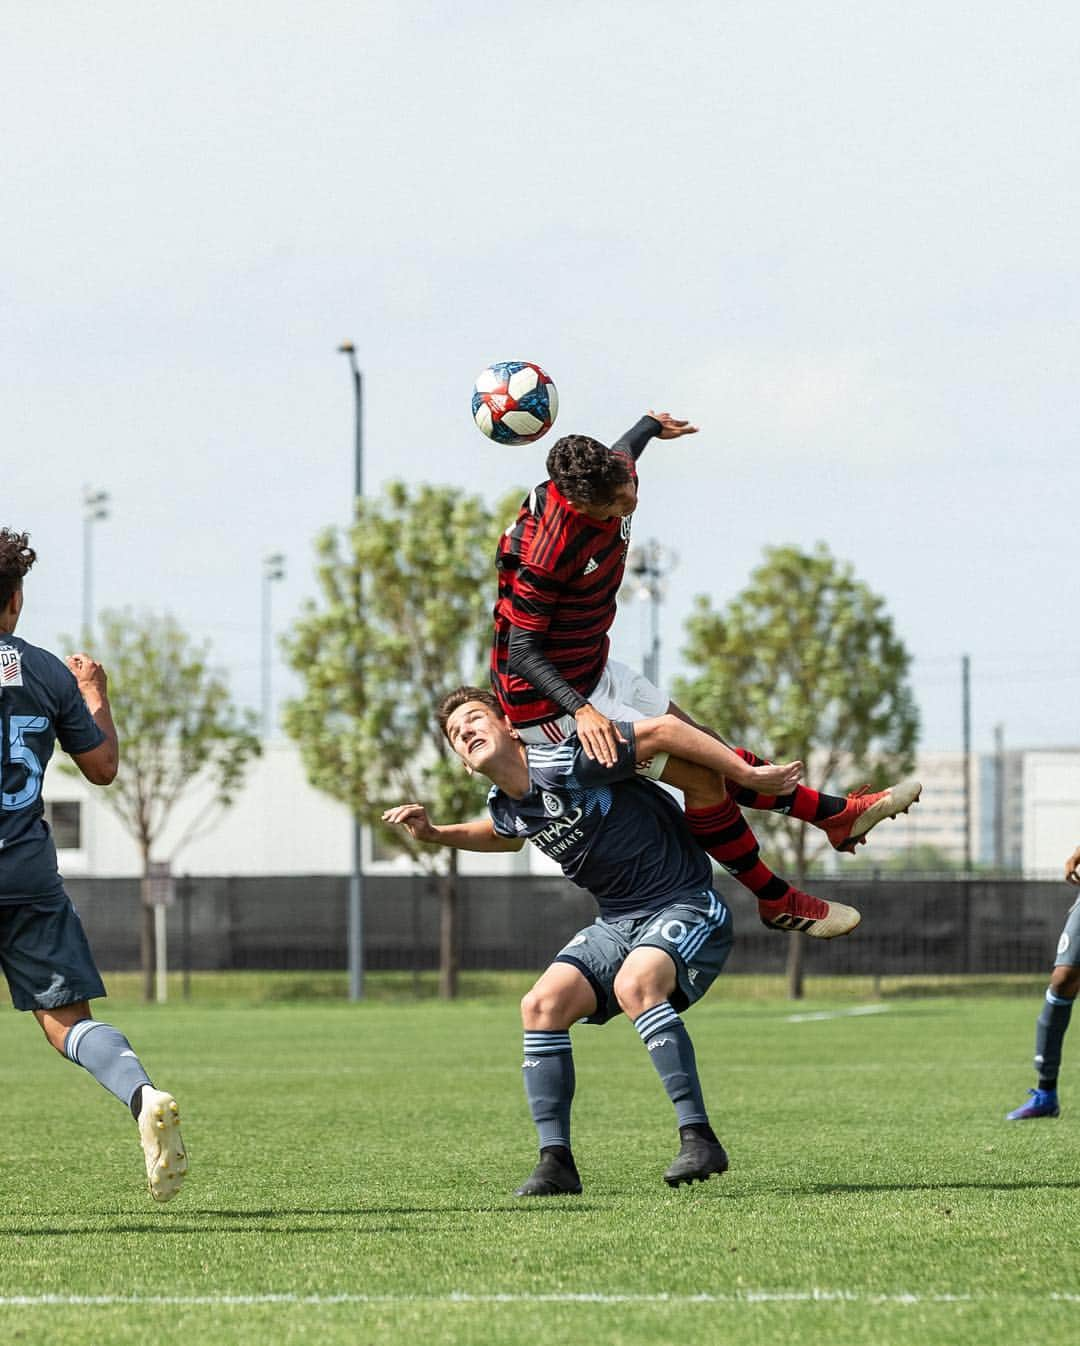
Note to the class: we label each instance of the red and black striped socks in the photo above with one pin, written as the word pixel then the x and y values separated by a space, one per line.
pixel 809 806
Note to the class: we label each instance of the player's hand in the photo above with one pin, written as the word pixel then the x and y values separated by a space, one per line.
pixel 775 778
pixel 670 426
pixel 599 737
pixel 414 819
pixel 1072 868
pixel 89 674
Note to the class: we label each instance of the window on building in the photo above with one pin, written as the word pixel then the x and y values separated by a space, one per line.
pixel 65 819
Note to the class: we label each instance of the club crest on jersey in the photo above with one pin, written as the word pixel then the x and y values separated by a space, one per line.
pixel 10 667
pixel 624 527
pixel 553 805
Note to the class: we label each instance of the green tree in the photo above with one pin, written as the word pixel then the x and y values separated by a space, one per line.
pixel 405 615
pixel 179 732
pixel 805 661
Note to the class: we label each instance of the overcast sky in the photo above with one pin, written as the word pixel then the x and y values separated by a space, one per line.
pixel 842 237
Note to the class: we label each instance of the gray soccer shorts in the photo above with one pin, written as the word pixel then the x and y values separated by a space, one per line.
pixel 45 955
pixel 1068 949
pixel 695 930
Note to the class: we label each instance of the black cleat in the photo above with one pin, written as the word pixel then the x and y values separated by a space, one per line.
pixel 697 1160
pixel 552 1177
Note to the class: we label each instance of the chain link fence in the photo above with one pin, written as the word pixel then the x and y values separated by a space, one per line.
pixel 909 927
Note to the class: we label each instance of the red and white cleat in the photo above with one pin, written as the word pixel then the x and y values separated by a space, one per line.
pixel 866 808
pixel 811 915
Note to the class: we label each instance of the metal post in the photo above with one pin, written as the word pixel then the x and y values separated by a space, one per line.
pixel 356 879
pixel 273 569
pixel 966 681
pixel 999 797
pixel 95 508
pixel 646 568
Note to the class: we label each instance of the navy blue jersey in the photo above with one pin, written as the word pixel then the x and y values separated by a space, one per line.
pixel 40 705
pixel 620 837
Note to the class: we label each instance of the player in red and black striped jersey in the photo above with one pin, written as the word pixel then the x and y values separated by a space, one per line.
pixel 560 565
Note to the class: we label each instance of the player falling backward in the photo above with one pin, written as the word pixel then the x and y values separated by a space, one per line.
pixel 663 934
pixel 43 948
pixel 560 565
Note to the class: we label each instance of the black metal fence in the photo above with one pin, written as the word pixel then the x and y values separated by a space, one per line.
pixel 910 926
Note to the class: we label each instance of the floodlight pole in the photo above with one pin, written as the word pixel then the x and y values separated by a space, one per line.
pixel 356 879
pixel 273 569
pixel 965 679
pixel 95 508
pixel 647 566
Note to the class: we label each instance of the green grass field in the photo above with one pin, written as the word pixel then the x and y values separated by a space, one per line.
pixel 351 1170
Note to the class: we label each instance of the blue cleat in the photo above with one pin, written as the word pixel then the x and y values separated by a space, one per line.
pixel 1041 1103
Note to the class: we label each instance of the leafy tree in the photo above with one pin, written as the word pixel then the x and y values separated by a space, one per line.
pixel 405 615
pixel 805 660
pixel 179 731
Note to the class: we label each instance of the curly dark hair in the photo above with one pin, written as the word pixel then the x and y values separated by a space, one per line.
pixel 458 697
pixel 586 471
pixel 16 558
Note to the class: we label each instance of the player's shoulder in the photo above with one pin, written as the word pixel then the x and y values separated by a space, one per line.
pixel 21 654
pixel 552 764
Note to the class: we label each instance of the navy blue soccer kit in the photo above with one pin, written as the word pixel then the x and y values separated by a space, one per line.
pixel 626 841
pixel 43 950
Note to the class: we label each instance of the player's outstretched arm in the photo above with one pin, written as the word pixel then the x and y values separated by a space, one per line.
pixel 477 835
pixel 670 426
pixel 1072 867
pixel 667 733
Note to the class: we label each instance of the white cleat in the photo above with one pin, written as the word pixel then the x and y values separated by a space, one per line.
pixel 163 1147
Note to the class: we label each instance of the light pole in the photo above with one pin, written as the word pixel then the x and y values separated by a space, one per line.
pixel 273 569
pixel 646 568
pixel 95 508
pixel 356 879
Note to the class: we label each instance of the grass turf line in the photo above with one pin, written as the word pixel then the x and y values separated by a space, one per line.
pixel 370 1151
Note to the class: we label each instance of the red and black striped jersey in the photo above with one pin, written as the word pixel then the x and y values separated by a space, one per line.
pixel 559 573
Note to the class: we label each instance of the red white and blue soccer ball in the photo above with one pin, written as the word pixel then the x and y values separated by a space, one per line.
pixel 514 402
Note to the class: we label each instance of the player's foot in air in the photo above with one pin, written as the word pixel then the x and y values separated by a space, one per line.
pixel 866 808
pixel 159 1132
pixel 555 1175
pixel 812 916
pixel 1040 1103
pixel 698 1158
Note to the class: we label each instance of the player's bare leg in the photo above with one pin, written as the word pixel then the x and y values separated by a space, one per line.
pixel 107 1055
pixel 845 820
pixel 723 832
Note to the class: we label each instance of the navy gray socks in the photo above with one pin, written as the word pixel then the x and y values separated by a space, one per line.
pixel 1049 1035
pixel 672 1053
pixel 548 1075
pixel 108 1056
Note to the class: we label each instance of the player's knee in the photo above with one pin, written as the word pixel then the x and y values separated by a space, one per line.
pixel 541 1009
pixel 637 991
pixel 1065 981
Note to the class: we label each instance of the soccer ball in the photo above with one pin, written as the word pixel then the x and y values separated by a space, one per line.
pixel 514 402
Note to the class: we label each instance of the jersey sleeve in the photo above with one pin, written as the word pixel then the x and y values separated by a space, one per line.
pixel 76 730
pixel 633 442
pixel 501 821
pixel 586 771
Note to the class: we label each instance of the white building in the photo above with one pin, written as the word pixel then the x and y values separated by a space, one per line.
pixel 282 825
pixel 279 824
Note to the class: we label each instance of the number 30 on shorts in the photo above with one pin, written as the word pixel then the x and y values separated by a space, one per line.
pixel 672 931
